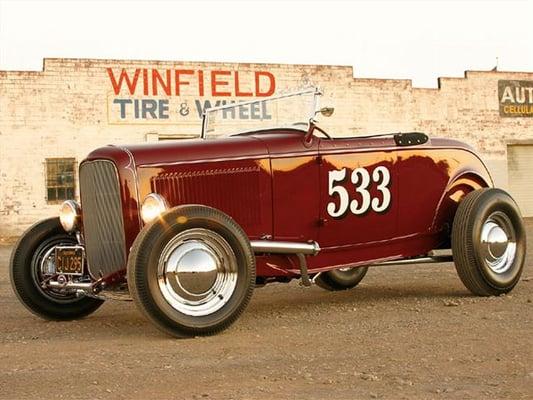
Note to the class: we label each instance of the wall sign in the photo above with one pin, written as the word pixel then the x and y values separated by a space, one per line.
pixel 515 98
pixel 173 96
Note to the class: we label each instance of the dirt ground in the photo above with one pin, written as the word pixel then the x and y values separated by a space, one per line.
pixel 406 332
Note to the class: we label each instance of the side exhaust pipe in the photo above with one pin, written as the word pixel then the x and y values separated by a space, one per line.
pixel 269 246
pixel 297 248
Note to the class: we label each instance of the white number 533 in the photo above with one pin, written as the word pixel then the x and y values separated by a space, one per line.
pixel 360 178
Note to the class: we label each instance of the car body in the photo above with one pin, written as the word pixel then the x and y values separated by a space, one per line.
pixel 275 185
pixel 304 203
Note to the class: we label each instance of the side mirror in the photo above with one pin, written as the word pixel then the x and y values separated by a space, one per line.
pixel 326 111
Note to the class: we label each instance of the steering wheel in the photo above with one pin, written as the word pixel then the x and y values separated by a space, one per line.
pixel 316 128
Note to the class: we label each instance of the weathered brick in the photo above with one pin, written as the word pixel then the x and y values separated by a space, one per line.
pixel 62 111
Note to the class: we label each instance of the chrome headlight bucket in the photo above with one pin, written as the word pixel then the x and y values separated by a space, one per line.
pixel 70 215
pixel 152 207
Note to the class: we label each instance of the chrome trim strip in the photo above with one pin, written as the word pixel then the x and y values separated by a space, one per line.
pixel 132 167
pixel 270 246
pixel 395 261
pixel 417 260
pixel 70 285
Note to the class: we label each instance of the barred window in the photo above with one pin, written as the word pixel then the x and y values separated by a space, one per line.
pixel 60 179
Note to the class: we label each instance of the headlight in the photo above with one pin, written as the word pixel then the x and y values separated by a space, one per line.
pixel 69 215
pixel 153 206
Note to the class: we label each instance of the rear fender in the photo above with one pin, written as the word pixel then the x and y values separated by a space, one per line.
pixel 458 187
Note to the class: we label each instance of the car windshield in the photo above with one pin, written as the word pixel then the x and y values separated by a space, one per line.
pixel 290 110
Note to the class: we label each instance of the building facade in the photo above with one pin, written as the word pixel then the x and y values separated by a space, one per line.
pixel 51 119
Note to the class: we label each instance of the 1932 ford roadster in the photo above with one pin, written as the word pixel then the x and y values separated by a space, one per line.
pixel 190 227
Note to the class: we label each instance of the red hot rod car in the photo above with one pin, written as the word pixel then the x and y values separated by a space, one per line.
pixel 190 227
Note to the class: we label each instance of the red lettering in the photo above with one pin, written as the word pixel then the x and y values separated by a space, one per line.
pixel 271 87
pixel 201 83
pixel 221 85
pixel 157 79
pixel 145 81
pixel 215 83
pixel 179 82
pixel 131 84
pixel 238 92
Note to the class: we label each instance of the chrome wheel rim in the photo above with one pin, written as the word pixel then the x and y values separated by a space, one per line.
pixel 498 243
pixel 43 269
pixel 197 272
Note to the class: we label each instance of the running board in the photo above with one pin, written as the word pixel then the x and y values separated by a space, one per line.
pixel 299 249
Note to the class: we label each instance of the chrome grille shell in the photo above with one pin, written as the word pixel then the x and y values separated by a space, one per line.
pixel 103 224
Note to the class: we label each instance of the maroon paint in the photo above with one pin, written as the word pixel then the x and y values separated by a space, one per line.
pixel 275 185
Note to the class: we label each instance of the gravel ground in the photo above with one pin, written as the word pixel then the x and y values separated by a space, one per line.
pixel 406 332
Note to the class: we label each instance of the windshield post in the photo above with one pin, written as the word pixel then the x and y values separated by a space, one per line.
pixel 316 104
pixel 204 124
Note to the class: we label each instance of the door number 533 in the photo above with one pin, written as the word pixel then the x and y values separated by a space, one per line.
pixel 360 178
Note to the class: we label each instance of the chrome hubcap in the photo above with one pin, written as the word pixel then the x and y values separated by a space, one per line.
pixel 498 242
pixel 197 272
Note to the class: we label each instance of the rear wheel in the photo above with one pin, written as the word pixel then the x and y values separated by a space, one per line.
pixel 29 269
pixel 488 242
pixel 192 272
pixel 341 279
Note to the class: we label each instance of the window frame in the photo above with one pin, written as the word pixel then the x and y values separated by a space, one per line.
pixel 53 178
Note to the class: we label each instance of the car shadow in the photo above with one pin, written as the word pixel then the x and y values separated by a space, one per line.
pixel 363 295
pixel 119 320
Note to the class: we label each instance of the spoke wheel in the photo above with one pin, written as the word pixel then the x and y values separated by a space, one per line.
pixel 43 268
pixel 32 263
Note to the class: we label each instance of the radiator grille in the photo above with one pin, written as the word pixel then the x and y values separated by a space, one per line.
pixel 103 224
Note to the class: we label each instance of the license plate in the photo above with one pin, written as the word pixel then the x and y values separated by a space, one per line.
pixel 69 260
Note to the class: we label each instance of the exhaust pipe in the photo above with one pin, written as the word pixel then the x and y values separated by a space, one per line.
pixel 298 249
pixel 269 246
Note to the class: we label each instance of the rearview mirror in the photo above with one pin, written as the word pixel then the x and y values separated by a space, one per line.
pixel 326 111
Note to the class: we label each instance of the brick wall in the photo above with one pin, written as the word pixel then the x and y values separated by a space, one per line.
pixel 67 110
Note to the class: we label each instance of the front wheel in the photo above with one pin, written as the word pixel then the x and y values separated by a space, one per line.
pixel 488 242
pixel 31 262
pixel 192 272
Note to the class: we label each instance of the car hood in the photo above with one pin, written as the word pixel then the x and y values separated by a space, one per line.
pixel 186 150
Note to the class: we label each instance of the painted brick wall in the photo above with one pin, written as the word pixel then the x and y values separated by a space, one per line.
pixel 67 110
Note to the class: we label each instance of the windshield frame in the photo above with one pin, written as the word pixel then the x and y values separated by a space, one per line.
pixel 313 90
